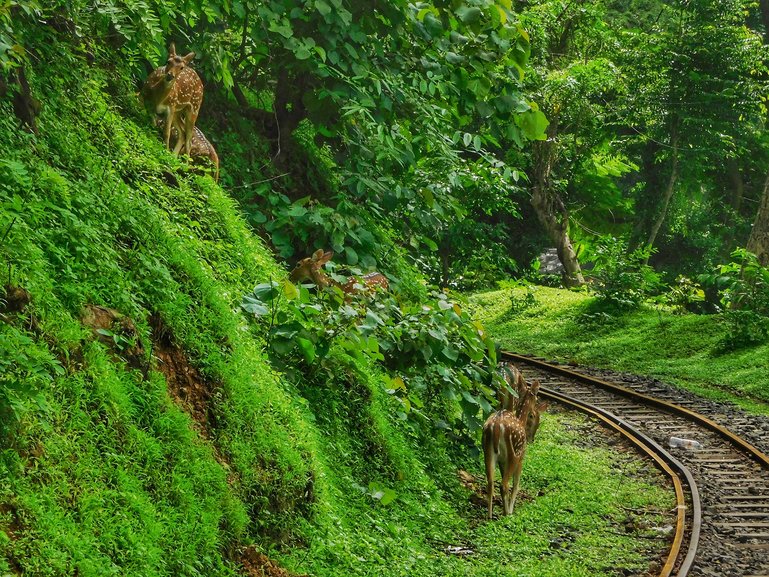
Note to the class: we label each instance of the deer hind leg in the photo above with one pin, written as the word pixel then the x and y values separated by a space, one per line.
pixel 169 120
pixel 491 462
pixel 189 130
pixel 517 468
pixel 507 472
pixel 179 135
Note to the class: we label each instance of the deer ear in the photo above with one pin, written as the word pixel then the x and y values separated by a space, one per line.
pixel 325 257
pixel 318 254
pixel 187 59
pixel 172 50
pixel 542 407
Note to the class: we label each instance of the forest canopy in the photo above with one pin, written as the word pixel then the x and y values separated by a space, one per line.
pixel 465 124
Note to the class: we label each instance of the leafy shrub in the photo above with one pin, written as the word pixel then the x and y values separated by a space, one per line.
pixel 432 350
pixel 622 279
pixel 685 295
pixel 743 287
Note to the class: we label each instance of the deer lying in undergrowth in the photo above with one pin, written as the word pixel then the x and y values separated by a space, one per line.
pixel 311 268
pixel 200 148
pixel 175 92
pixel 506 434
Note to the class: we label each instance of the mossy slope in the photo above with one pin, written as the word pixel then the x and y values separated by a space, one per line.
pixel 104 468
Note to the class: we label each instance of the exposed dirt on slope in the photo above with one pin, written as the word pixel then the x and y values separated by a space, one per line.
pixel 14 299
pixel 186 385
pixel 116 331
pixel 11 525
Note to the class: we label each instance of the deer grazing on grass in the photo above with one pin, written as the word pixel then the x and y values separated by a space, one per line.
pixel 311 268
pixel 175 92
pixel 505 436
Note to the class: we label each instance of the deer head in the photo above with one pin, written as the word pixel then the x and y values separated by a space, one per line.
pixel 311 268
pixel 175 93
pixel 505 437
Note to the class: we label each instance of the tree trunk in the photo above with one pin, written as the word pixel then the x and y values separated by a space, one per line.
pixel 764 4
pixel 758 242
pixel 652 184
pixel 551 212
pixel 667 196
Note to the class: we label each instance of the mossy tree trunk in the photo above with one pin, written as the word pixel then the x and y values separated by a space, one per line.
pixel 550 209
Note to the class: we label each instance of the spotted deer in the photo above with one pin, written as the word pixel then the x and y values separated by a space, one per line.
pixel 515 386
pixel 175 93
pixel 506 434
pixel 200 148
pixel 311 268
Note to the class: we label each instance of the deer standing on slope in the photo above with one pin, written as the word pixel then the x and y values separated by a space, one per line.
pixel 175 92
pixel 311 268
pixel 505 437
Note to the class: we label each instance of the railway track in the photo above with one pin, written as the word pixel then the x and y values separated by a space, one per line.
pixel 722 487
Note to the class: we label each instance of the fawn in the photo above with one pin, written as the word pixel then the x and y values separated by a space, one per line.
pixel 200 147
pixel 505 436
pixel 175 92
pixel 310 268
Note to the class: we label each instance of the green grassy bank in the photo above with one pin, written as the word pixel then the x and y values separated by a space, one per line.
pixel 684 349
pixel 144 430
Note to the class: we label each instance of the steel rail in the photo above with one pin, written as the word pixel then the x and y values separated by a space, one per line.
pixel 664 461
pixel 725 433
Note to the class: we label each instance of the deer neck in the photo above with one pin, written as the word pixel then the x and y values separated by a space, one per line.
pixel 322 280
pixel 524 408
pixel 158 92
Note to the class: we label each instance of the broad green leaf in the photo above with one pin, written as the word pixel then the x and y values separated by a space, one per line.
pixel 469 15
pixel 266 291
pixel 289 290
pixel 308 349
pixel 450 353
pixel 533 123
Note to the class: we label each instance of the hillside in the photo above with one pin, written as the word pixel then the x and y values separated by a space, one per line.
pixel 148 427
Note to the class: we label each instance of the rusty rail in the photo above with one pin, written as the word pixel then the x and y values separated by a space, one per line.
pixel 678 473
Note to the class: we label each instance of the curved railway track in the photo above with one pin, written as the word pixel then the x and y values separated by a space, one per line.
pixel 722 488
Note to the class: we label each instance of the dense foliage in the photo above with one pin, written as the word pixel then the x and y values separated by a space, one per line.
pixel 169 403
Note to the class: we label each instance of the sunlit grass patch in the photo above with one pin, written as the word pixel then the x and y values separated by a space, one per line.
pixel 576 504
pixel 679 348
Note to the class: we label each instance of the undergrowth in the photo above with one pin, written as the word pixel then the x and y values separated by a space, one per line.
pixel 104 470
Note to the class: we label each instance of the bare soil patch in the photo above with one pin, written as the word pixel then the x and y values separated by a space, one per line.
pixel 186 385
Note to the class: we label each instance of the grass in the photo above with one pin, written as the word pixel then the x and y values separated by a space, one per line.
pixel 682 349
pixel 102 473
pixel 568 520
